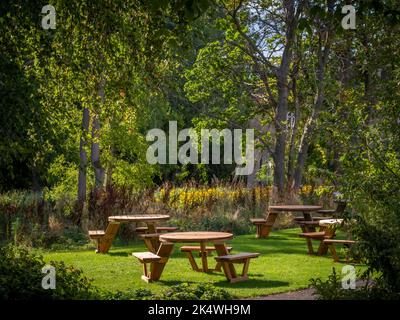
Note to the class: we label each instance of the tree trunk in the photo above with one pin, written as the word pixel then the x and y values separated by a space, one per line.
pixel 310 126
pixel 35 179
pixel 99 172
pixel 280 123
pixel 283 94
pixel 83 157
pixel 258 152
pixel 95 153
pixel 292 148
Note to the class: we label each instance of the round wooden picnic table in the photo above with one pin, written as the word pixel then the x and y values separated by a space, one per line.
pixel 305 209
pixel 139 218
pixel 150 220
pixel 202 237
pixel 196 236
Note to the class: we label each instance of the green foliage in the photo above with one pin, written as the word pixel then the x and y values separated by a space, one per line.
pixel 186 291
pixel 23 216
pixel 331 289
pixel 378 228
pixel 183 291
pixel 21 278
pixel 36 219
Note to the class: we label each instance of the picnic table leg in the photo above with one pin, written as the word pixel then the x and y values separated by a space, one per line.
pixel 332 249
pixel 308 217
pixel 310 246
pixel 329 234
pixel 203 254
pixel 229 268
pixel 104 244
pixel 269 223
pixel 192 261
pixel 259 229
pixel 157 267
pixel 149 244
pixel 151 228
pixel 309 241
pixel 322 249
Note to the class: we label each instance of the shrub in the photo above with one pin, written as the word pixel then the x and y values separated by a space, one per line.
pixel 21 278
pixel 186 291
pixel 28 217
pixel 138 294
pixel 331 289
pixel 183 291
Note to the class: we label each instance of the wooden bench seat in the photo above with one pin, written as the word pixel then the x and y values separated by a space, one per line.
pixel 105 238
pixel 331 245
pixel 237 257
pixel 258 221
pixel 144 258
pixel 243 257
pixel 150 235
pixel 339 241
pixel 95 234
pixel 263 226
pixel 324 233
pixel 158 229
pixel 313 235
pixel 157 261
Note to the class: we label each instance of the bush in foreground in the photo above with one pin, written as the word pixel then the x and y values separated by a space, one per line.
pixel 332 289
pixel 21 279
pixel 183 291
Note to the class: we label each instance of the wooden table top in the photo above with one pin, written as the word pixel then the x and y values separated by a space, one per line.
pixel 294 207
pixel 196 236
pixel 139 218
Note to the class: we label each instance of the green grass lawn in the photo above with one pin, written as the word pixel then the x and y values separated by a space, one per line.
pixel 283 266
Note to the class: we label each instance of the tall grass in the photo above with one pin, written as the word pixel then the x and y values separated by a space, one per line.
pixel 33 219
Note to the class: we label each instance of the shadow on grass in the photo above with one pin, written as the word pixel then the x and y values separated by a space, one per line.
pixel 119 254
pixel 271 249
pixel 251 283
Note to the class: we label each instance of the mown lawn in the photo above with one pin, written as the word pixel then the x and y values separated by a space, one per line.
pixel 283 266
